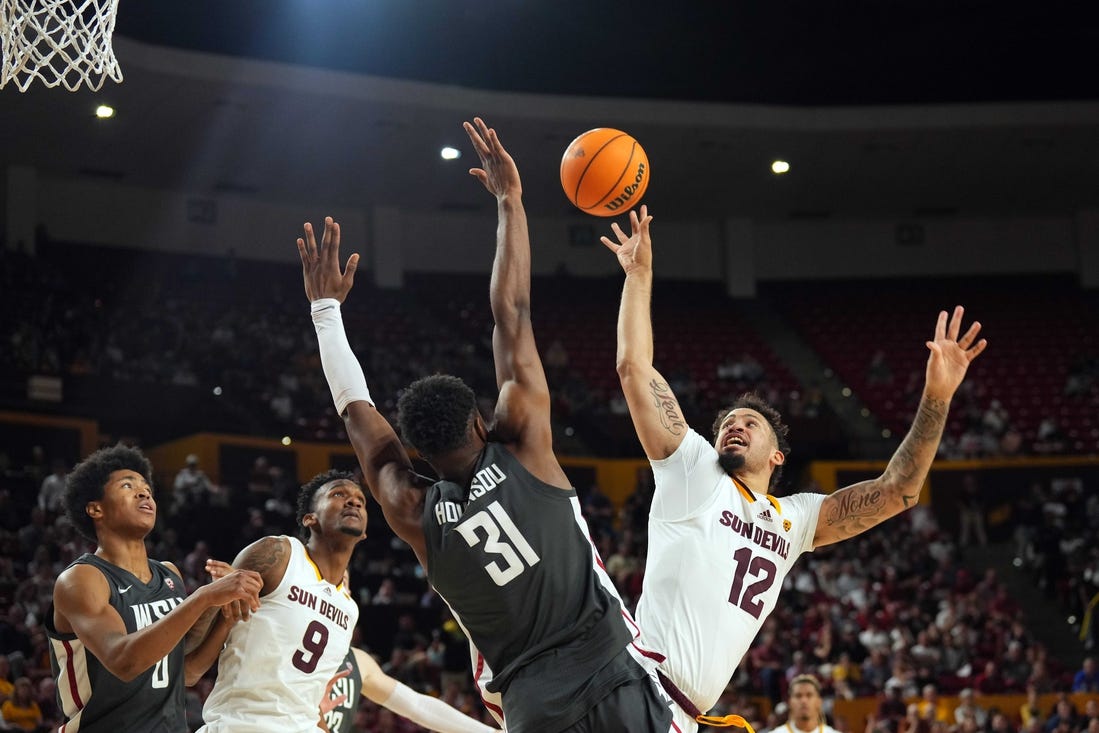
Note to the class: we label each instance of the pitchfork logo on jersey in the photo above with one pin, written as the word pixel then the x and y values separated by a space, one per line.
pixel 168 582
pixel 786 524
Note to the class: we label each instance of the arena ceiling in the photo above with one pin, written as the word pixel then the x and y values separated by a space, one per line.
pixel 892 108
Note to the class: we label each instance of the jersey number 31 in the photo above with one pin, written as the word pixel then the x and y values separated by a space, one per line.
pixel 492 521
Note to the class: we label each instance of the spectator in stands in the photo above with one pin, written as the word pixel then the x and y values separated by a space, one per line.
pixel 191 488
pixel 1015 667
pixel 1064 716
pixel 892 707
pixel 1000 723
pixel 1087 678
pixel 967 708
pixel 49 494
pixel 21 712
pixel 878 371
pixel 1091 712
pixel 6 685
pixel 846 677
pixel 913 722
pixel 971 512
pixel 599 511
pixel 990 681
pixel 1031 710
pixel 797 667
pixel 931 707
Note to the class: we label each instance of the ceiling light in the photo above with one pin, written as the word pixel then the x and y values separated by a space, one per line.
pixel 779 167
pixel 450 153
pixel 104 111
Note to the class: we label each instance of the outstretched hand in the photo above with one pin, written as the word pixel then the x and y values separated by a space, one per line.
pixel 951 356
pixel 321 266
pixel 498 171
pixel 634 252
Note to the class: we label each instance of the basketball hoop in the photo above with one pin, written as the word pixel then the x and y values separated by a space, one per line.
pixel 58 42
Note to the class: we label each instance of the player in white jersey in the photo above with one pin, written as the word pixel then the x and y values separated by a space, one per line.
pixel 806 708
pixel 274 667
pixel 719 545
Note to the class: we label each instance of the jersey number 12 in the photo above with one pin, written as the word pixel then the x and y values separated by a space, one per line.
pixel 757 566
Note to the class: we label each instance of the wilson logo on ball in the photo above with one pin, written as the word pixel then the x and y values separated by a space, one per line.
pixel 604 171
pixel 628 191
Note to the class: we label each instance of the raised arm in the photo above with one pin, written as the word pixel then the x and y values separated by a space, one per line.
pixel 859 507
pixel 387 470
pixel 522 411
pixel 657 416
pixel 82 602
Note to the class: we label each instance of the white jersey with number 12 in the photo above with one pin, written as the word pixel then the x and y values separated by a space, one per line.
pixel 718 554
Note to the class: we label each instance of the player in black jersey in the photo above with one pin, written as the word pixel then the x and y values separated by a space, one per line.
pixel 500 534
pixel 119 619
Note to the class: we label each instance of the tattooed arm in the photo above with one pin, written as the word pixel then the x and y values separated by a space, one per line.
pixel 859 507
pixel 269 557
pixel 657 416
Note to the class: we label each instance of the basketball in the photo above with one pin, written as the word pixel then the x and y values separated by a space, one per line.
pixel 604 172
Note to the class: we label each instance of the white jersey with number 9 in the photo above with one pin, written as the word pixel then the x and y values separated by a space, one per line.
pixel 274 667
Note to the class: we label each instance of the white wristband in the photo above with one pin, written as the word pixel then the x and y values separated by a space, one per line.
pixel 431 712
pixel 341 368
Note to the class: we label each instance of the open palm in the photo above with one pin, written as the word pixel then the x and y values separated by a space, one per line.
pixel 950 355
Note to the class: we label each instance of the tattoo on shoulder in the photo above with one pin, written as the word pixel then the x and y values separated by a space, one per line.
pixel 264 555
pixel 856 509
pixel 667 407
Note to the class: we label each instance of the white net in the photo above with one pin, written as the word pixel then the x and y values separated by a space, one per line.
pixel 58 42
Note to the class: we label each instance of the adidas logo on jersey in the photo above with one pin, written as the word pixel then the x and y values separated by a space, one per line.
pixel 765 515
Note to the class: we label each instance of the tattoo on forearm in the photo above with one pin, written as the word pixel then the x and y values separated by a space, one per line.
pixel 914 456
pixel 856 508
pixel 860 507
pixel 667 407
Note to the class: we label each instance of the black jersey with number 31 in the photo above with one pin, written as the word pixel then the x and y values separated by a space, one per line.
pixel 512 558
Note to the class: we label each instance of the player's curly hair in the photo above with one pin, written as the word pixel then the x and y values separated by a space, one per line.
pixel 307 494
pixel 86 481
pixel 434 414
pixel 752 401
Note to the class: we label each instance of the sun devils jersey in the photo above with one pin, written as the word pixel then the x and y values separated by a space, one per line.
pixel 274 667
pixel 718 554
pixel 512 558
pixel 91 698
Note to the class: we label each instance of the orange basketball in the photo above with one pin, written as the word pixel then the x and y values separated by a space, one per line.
pixel 604 172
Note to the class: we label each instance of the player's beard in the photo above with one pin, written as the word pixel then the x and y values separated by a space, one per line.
pixel 731 462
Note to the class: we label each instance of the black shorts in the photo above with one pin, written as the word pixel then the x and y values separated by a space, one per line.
pixel 639 706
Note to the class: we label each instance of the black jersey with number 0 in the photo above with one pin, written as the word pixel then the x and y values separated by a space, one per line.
pixel 95 701
pixel 513 560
